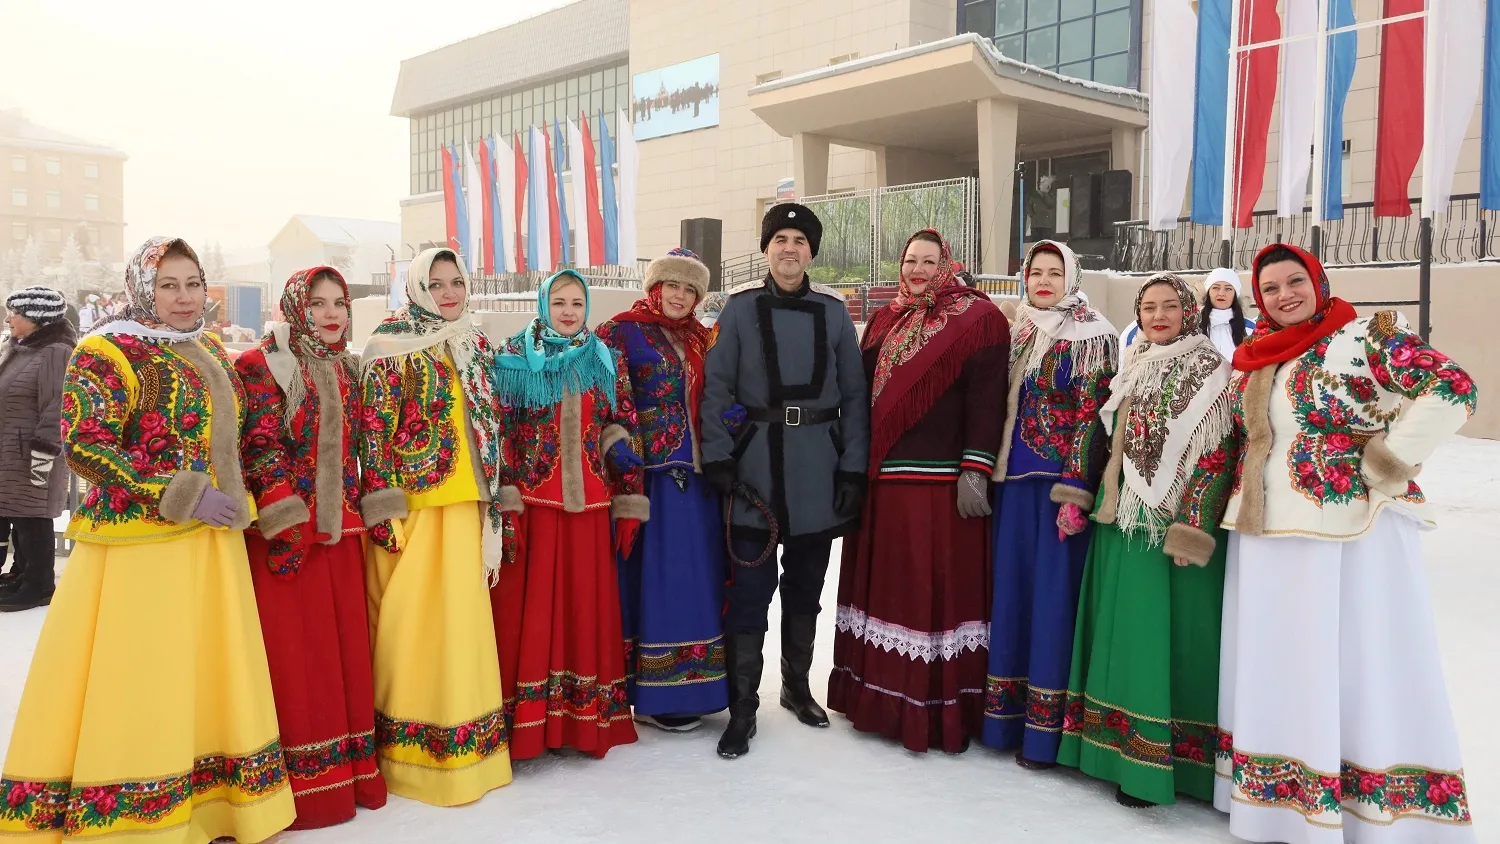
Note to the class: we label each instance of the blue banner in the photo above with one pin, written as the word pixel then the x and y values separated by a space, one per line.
pixel 1343 49
pixel 1489 133
pixel 559 158
pixel 461 207
pixel 607 180
pixel 1210 112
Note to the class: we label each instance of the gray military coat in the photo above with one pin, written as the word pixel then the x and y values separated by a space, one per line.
pixel 776 351
pixel 31 385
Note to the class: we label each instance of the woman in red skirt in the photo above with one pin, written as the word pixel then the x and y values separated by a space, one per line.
pixel 303 399
pixel 569 425
pixel 910 650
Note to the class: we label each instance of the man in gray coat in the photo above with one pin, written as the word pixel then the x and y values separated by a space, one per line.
pixel 787 351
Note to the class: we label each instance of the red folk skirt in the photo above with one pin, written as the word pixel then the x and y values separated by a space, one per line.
pixel 558 631
pixel 318 647
pixel 911 645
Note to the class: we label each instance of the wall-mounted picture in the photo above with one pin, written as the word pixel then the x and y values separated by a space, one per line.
pixel 677 98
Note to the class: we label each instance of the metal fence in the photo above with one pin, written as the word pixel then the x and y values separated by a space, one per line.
pixel 1466 233
pixel 864 231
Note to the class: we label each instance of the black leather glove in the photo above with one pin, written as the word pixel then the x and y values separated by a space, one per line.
pixel 721 475
pixel 848 495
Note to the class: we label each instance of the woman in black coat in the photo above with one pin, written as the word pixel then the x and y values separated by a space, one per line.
pixel 33 480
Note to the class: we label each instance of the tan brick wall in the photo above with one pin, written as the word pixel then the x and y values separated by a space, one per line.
pixel 72 217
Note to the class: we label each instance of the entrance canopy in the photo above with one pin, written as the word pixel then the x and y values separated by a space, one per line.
pixel 935 110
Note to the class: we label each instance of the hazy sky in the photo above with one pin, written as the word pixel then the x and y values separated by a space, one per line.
pixel 235 116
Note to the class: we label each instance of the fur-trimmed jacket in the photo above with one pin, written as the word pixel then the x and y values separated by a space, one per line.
pixel 33 476
pixel 151 426
pixel 1340 433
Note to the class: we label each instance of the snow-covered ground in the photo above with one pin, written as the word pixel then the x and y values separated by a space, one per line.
pixel 800 784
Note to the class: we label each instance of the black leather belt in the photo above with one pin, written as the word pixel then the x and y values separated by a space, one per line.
pixel 794 416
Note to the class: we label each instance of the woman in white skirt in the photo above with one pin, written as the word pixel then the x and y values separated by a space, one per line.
pixel 1334 716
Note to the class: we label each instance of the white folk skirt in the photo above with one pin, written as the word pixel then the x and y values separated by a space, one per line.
pixel 1335 718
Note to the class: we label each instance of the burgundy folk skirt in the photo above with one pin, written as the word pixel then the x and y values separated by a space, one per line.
pixel 318 647
pixel 912 640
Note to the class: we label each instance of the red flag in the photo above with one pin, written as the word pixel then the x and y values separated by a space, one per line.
pixel 450 208
pixel 1254 97
pixel 594 214
pixel 487 176
pixel 1398 139
pixel 520 203
pixel 552 214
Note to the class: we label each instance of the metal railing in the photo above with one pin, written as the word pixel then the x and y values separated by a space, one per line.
pixel 612 276
pixel 1466 233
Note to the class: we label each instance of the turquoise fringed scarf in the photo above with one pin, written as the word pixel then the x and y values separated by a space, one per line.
pixel 538 366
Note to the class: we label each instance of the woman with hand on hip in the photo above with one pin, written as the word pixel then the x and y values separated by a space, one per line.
pixel 180 747
pixel 433 501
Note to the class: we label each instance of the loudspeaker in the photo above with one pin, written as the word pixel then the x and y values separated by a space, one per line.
pixel 705 237
pixel 1114 200
pixel 1082 221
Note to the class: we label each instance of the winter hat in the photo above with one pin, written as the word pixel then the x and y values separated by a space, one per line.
pixel 790 215
pixel 41 305
pixel 1228 276
pixel 678 265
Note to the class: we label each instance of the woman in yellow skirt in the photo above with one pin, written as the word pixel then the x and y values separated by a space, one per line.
pixel 435 509
pixel 149 709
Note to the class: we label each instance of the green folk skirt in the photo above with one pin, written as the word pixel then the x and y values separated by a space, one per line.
pixel 1143 690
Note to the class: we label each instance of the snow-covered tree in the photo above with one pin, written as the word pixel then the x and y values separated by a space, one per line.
pixel 70 279
pixel 213 263
pixel 10 271
pixel 31 265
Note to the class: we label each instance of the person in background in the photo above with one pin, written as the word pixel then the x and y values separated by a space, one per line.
pixel 786 350
pixel 1051 456
pixel 91 314
pixel 672 584
pixel 911 646
pixel 433 500
pixel 307 548
pixel 569 419
pixel 1334 717
pixel 33 481
pixel 1223 316
pixel 1143 691
pixel 148 712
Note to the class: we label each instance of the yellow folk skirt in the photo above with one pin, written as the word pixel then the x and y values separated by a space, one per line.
pixel 439 723
pixel 148 713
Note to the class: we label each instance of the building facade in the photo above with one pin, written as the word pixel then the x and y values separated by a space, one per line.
pixel 54 186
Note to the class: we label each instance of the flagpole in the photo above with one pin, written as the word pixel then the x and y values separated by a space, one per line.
pixel 1424 228
pixel 1231 114
pixel 1320 132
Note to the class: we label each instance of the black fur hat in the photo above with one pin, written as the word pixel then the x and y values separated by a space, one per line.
pixel 790 215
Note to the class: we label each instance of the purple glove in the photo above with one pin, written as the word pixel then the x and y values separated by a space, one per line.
pixel 215 509
pixel 623 458
pixel 734 419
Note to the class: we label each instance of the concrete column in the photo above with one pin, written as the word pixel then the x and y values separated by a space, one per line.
pixel 810 164
pixel 1125 154
pixel 882 167
pixel 997 182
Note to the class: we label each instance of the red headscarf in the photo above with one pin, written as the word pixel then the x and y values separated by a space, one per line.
pixel 1271 343
pixel 693 335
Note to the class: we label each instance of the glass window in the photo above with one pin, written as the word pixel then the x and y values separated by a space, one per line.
pixel 1075 41
pixel 54 166
pixel 18 163
pixel 980 18
pixel 573 87
pixel 1040 13
pixel 1109 5
pixel 91 169
pixel 1076 9
pixel 1112 33
pixel 1012 47
pixel 596 80
pixel 91 202
pixel 1041 47
pixel 1078 70
pixel 1113 70
pixel 612 99
pixel 54 199
pixel 17 231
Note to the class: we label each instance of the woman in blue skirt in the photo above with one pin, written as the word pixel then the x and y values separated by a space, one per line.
pixel 1051 457
pixel 672 584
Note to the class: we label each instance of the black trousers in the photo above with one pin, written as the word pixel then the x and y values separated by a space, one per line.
pixel 33 550
pixel 804 564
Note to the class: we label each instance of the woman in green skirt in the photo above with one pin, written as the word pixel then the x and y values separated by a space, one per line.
pixel 1143 690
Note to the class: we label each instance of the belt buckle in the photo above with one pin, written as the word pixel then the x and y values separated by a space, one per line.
pixel 792 416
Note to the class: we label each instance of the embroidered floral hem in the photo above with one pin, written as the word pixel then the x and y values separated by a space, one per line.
pixel 1382 796
pixel 679 663
pixel 434 746
pixel 133 806
pixel 312 761
pixel 567 695
pixel 1007 698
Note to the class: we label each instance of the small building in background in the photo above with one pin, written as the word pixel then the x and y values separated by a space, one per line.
pixel 53 186
pixel 360 249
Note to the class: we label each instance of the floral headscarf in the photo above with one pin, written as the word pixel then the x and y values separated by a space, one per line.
pixel 1071 320
pixel 920 316
pixel 295 346
pixel 140 318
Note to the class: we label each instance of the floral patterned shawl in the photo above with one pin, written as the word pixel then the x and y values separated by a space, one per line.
pixel 140 318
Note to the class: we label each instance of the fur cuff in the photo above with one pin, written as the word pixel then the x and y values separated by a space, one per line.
pixel 636 507
pixel 1382 467
pixel 510 500
pixel 1065 494
pixel 382 504
pixel 282 515
pixel 1189 543
pixel 182 495
pixel 612 434
pixel 44 447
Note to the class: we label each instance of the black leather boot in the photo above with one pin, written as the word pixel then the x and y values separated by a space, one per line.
pixel 745 662
pixel 797 633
